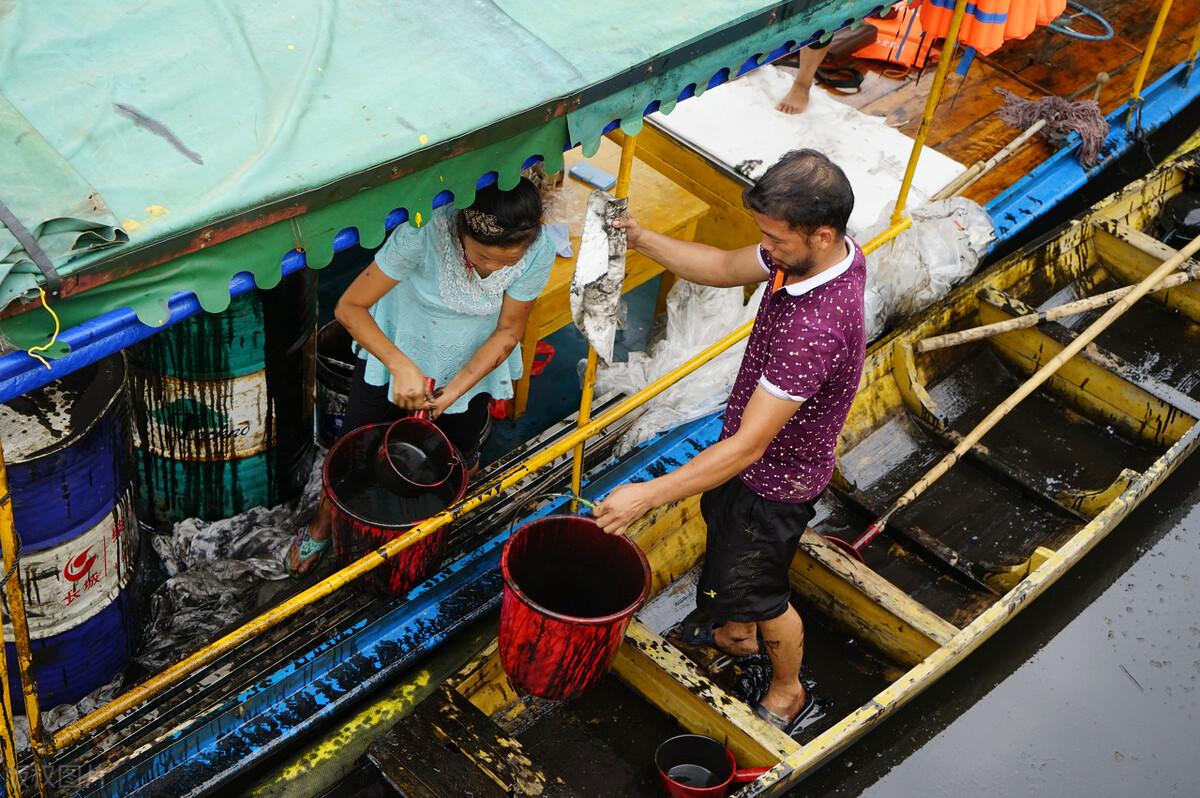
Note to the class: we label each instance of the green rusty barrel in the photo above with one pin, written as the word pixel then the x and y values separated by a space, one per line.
pixel 223 406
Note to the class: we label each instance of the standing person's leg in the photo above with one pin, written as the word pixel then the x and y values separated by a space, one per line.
pixel 367 404
pixel 796 100
pixel 744 583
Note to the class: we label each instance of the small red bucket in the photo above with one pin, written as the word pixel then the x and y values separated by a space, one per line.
pixel 366 514
pixel 570 590
pixel 695 766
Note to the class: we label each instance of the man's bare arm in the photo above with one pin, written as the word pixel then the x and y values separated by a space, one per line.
pixel 698 263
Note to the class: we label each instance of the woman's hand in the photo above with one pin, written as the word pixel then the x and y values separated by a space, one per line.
pixel 410 387
pixel 441 402
pixel 633 230
pixel 623 506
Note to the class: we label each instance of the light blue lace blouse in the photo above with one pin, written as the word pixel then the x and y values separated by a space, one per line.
pixel 440 313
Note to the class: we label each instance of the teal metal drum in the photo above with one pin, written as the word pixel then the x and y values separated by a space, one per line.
pixel 223 406
pixel 69 460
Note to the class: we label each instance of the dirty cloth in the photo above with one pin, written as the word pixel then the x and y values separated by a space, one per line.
pixel 216 570
pixel 600 273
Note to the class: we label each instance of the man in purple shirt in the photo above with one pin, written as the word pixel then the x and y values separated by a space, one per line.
pixel 793 392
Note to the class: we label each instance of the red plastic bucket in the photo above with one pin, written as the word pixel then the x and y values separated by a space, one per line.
pixel 570 590
pixel 366 514
pixel 695 766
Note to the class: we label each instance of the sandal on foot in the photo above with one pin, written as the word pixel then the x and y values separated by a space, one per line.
pixel 308 549
pixel 796 724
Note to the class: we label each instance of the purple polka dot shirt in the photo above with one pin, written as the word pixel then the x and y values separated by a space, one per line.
pixel 807 345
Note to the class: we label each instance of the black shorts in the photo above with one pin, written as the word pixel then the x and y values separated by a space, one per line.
pixel 370 404
pixel 751 543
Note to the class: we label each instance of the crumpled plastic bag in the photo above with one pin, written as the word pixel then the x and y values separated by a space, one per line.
pixel 216 570
pixel 920 266
pixel 697 316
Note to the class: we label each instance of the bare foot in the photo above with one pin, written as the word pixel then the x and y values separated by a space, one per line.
pixel 735 640
pixel 795 101
pixel 786 704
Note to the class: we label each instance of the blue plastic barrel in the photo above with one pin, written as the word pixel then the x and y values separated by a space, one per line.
pixel 68 450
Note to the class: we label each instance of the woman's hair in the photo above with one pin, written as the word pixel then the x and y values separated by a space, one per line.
pixel 503 218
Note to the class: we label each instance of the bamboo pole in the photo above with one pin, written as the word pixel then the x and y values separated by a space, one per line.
pixel 20 625
pixel 1135 99
pixel 931 104
pixel 1034 319
pixel 1150 283
pixel 981 168
pixel 75 731
pixel 624 174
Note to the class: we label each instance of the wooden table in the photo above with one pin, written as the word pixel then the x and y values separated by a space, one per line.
pixel 656 202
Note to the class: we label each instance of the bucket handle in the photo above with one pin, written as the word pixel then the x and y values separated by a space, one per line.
pixel 519 510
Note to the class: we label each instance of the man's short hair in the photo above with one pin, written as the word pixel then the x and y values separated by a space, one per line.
pixel 805 189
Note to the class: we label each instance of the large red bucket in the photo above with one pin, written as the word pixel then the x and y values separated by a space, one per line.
pixel 570 590
pixel 367 515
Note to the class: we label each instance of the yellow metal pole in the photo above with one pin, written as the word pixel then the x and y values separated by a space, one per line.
pixel 1194 50
pixel 931 104
pixel 20 625
pixel 488 493
pixel 12 776
pixel 1135 99
pixel 624 174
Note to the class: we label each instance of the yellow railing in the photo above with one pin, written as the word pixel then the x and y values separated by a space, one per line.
pixel 1134 116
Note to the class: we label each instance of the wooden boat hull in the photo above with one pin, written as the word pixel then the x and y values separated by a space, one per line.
pixel 875 611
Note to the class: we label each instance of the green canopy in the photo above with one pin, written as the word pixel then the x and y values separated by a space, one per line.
pixel 221 134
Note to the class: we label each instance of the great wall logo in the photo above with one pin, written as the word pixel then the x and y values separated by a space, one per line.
pixel 78 566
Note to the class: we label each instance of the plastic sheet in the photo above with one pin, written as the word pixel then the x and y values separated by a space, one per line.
pixel 697 316
pixel 918 267
pixel 218 573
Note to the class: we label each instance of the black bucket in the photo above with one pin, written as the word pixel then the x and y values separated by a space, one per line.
pixel 335 372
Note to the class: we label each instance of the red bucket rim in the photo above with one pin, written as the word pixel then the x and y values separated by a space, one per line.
pixel 454 459
pixel 627 610
pixel 327 489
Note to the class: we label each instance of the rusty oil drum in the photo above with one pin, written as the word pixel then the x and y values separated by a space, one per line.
pixel 223 406
pixel 69 460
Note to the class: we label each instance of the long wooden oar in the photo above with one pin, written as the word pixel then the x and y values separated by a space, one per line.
pixel 1150 283
pixel 1050 314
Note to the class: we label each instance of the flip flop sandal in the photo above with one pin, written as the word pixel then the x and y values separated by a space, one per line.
pixel 793 726
pixel 846 79
pixel 308 549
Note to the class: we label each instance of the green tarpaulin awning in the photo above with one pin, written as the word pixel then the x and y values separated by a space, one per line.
pixel 212 137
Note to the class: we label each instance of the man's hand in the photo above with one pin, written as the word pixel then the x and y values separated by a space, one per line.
pixel 633 230
pixel 623 506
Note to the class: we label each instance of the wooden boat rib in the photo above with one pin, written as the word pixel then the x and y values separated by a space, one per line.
pixel 1042 489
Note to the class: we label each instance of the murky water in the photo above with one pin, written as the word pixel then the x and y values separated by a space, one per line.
pixel 1094 690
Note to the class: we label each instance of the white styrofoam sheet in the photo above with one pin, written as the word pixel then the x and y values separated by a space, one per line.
pixel 737 123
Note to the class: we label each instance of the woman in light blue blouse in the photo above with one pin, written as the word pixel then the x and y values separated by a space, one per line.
pixel 448 300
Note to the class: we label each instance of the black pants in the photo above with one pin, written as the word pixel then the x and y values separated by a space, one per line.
pixel 370 404
pixel 751 543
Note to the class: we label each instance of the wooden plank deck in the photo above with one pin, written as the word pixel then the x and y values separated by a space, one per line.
pixel 965 126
